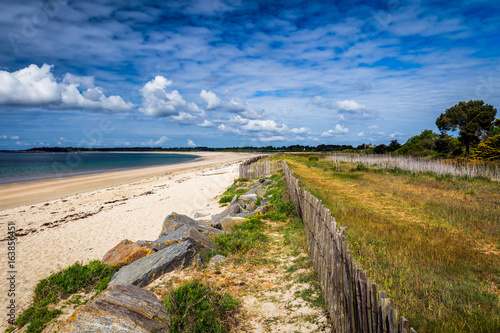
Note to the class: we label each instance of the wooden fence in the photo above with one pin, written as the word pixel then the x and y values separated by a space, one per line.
pixel 251 169
pixel 354 303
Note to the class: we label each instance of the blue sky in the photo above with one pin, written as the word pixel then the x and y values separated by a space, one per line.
pixel 236 73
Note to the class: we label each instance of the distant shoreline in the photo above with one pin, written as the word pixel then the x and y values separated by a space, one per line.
pixel 36 191
pixel 42 177
pixel 51 175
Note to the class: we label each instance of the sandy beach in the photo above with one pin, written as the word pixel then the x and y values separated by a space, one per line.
pixel 65 220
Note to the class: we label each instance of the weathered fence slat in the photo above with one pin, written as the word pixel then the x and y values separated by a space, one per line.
pixel 251 168
pixel 393 320
pixel 355 304
pixel 405 327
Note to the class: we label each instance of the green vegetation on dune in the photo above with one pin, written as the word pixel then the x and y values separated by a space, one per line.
pixel 245 236
pixel 76 278
pixel 432 243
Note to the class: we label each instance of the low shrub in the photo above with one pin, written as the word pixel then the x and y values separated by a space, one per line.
pixel 194 307
pixel 360 167
pixel 226 199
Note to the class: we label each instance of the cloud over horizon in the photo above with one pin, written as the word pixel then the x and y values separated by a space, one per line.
pixel 36 86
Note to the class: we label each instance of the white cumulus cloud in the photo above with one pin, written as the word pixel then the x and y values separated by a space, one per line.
pixel 13 137
pixel 264 125
pixel 318 100
pixel 158 142
pixel 237 105
pixel 206 123
pixel 161 140
pixel 157 102
pixel 185 118
pixel 91 98
pixel 339 129
pixel 31 86
pixel 36 86
pixel 272 138
pixel 301 130
pixel 350 105
pixel 191 143
pixel 396 135
pixel 211 99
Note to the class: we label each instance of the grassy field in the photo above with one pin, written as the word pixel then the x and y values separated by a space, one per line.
pixel 432 242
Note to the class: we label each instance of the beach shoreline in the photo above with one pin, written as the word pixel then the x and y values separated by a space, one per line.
pixel 53 176
pixel 30 192
pixel 78 219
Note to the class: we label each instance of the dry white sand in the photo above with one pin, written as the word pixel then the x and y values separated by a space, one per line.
pixel 88 215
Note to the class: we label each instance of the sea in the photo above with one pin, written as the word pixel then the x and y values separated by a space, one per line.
pixel 22 167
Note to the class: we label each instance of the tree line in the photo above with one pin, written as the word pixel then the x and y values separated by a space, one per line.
pixel 478 132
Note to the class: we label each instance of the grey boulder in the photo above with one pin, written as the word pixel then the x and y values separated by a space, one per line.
pixel 243 214
pixel 234 208
pixel 216 259
pixel 141 272
pixel 261 210
pixel 174 221
pixel 256 190
pixel 248 198
pixel 201 242
pixel 228 222
pixel 120 309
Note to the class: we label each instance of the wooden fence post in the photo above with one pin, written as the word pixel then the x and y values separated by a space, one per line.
pixel 354 302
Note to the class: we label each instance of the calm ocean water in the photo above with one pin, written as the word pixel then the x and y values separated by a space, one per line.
pixel 18 167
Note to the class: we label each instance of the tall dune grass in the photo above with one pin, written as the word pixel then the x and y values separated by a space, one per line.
pixel 455 168
pixel 433 245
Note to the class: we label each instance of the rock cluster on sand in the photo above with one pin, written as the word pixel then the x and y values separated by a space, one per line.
pixel 181 240
pixel 252 202
pixel 125 306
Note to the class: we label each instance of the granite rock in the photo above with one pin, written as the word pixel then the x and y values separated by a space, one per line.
pixel 261 210
pixel 175 221
pixel 200 241
pixel 216 259
pixel 259 191
pixel 234 208
pixel 228 222
pixel 120 309
pixel 245 198
pixel 141 272
pixel 126 252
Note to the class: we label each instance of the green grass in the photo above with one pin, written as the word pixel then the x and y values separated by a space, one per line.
pixel 194 307
pixel 226 199
pixel 431 242
pixel 280 199
pixel 75 278
pixel 244 237
pixel 231 191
